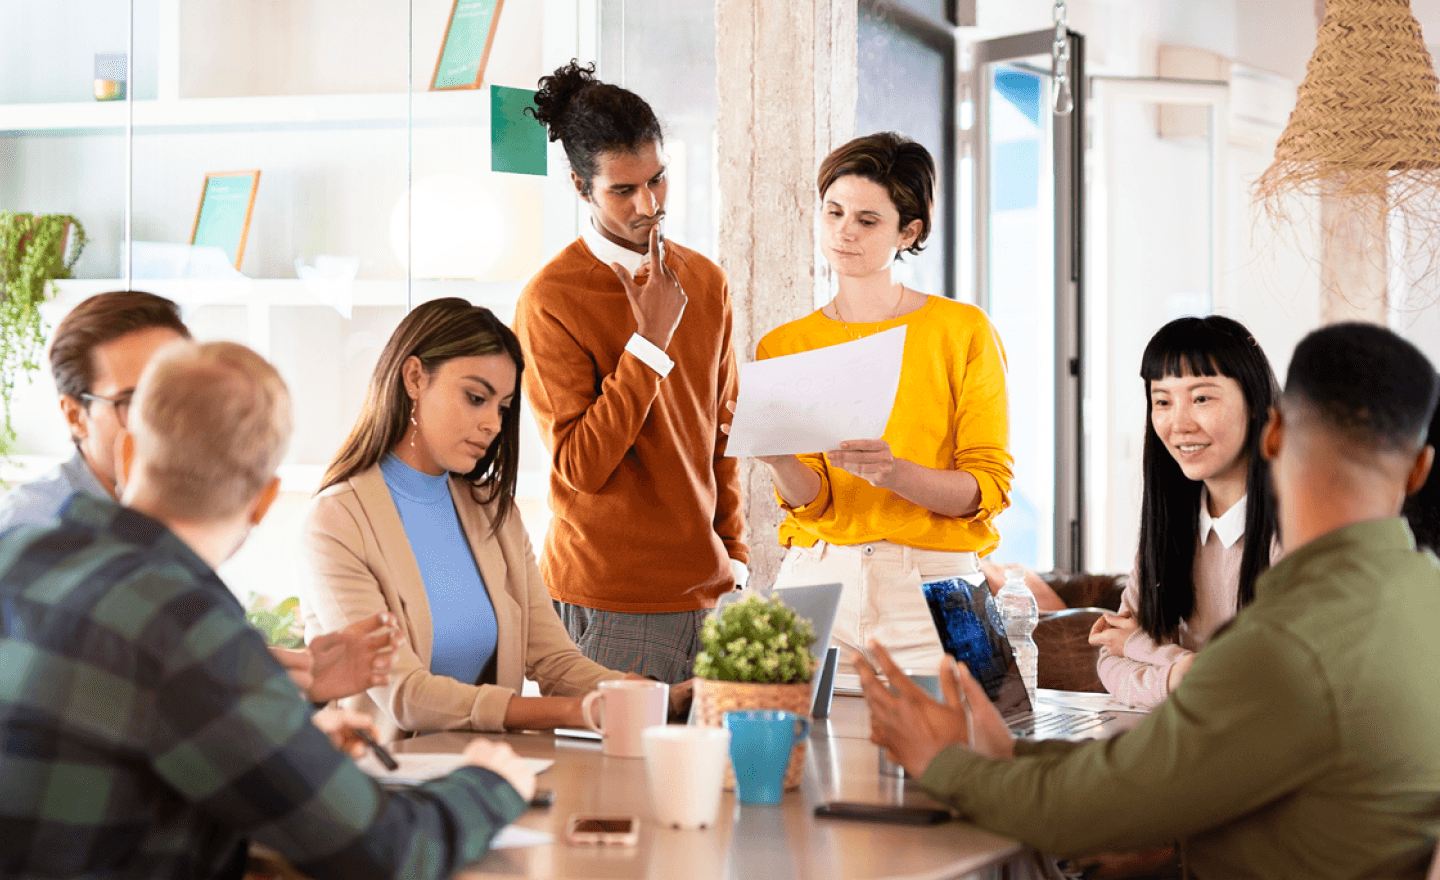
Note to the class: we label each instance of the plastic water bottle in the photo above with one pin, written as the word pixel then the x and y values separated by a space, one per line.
pixel 1020 614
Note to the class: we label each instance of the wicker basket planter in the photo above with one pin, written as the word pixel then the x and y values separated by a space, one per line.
pixel 714 698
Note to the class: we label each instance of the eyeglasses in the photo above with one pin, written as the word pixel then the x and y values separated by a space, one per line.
pixel 120 402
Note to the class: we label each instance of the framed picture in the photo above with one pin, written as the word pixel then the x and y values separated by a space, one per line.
pixel 223 218
pixel 466 46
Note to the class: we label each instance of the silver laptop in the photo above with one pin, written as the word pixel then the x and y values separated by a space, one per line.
pixel 817 604
pixel 971 631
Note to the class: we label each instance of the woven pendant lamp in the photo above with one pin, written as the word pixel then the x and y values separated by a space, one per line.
pixel 1365 132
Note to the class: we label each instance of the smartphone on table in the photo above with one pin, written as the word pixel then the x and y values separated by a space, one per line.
pixel 596 830
pixel 883 813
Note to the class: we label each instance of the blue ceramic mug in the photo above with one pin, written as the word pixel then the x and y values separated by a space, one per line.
pixel 760 744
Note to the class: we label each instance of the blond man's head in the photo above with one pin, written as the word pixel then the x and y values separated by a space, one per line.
pixel 211 423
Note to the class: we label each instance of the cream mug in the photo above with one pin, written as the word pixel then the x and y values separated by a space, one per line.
pixel 626 707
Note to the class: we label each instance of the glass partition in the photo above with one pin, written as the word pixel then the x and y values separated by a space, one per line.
pixel 1026 206
pixel 374 192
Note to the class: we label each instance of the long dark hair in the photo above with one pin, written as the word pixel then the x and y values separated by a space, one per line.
pixel 1170 510
pixel 590 117
pixel 435 332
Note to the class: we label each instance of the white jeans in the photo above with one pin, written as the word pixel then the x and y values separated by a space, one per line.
pixel 882 598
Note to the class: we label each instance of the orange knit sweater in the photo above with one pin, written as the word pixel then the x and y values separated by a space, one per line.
pixel 647 512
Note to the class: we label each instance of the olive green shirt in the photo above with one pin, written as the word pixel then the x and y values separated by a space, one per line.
pixel 1304 742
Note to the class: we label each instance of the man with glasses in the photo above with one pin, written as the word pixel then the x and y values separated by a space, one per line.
pixel 96 357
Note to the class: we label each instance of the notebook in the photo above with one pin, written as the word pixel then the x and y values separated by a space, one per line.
pixel 972 632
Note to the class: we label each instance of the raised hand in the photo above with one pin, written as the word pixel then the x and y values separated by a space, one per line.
pixel 911 727
pixel 659 302
pixel 298 664
pixel 353 659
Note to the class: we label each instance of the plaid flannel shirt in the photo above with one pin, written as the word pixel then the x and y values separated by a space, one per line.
pixel 145 730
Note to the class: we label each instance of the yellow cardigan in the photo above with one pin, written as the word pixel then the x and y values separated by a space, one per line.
pixel 356 560
pixel 950 413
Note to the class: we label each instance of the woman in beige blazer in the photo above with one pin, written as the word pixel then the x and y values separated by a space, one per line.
pixel 443 399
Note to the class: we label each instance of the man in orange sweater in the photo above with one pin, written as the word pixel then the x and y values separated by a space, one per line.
pixel 631 369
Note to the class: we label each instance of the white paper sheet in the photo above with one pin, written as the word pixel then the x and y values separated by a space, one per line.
pixel 1081 701
pixel 419 767
pixel 811 401
pixel 516 836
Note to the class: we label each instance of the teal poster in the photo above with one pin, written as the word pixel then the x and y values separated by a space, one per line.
pixel 467 42
pixel 225 213
pixel 517 139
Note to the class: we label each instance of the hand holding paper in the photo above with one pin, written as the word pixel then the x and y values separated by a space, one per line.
pixel 816 400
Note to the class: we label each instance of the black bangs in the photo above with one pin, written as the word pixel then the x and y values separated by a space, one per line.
pixel 1182 362
pixel 1208 346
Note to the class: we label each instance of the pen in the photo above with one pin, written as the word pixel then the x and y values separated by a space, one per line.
pixel 381 753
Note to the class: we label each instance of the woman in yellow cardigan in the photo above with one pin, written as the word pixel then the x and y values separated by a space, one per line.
pixel 886 515
pixel 416 517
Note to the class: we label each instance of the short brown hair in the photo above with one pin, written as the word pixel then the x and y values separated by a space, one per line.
pixel 902 166
pixel 104 318
pixel 211 424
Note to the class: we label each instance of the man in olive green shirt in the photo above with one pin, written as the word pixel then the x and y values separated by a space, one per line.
pixel 1305 740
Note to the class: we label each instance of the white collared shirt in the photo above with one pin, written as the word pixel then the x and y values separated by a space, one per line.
pixel 1229 526
pixel 608 252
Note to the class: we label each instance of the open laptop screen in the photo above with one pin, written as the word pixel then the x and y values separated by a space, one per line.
pixel 971 631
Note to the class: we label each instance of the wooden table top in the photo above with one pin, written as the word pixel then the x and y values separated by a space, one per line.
pixel 749 841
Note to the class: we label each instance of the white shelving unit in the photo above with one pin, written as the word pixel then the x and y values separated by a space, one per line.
pixel 470 108
pixel 328 99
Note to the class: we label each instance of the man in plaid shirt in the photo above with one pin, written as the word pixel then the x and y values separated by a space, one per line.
pixel 145 731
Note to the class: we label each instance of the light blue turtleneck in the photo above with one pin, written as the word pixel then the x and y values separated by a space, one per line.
pixel 461 614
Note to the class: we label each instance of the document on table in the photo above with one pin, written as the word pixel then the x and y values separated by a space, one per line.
pixel 811 401
pixel 1081 701
pixel 418 767
pixel 517 836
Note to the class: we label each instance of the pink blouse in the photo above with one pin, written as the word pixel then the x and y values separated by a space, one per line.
pixel 1139 678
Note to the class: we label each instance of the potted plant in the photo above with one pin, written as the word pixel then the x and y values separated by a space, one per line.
pixel 278 623
pixel 33 253
pixel 755 654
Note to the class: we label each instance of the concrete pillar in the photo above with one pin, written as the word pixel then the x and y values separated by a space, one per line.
pixel 787 97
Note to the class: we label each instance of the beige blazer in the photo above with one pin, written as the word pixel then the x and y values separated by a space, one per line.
pixel 356 560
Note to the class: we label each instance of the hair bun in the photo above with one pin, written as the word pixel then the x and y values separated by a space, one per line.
pixel 557 92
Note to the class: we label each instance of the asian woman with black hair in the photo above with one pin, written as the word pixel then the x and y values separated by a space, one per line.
pixel 1208 523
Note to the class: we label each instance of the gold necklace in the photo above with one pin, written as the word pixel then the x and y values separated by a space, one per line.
pixel 854 335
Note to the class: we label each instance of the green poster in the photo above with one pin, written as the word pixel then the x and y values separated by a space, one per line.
pixel 517 139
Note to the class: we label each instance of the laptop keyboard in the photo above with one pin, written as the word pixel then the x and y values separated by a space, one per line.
pixel 1057 725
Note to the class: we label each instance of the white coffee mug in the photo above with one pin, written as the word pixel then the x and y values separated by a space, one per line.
pixel 627 706
pixel 686 766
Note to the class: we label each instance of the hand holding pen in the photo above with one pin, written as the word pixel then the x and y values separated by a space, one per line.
pixel 352 733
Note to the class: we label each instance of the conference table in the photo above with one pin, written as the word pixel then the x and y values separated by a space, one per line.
pixel 750 841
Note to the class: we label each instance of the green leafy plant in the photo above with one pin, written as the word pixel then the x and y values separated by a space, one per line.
pixel 279 623
pixel 32 256
pixel 756 640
